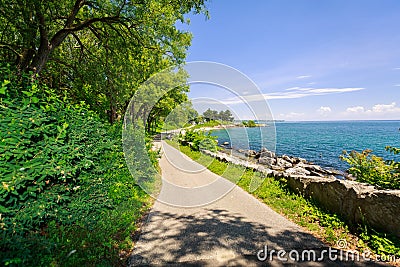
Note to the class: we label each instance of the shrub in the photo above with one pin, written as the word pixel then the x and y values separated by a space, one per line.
pixel 249 123
pixel 64 183
pixel 198 140
pixel 369 168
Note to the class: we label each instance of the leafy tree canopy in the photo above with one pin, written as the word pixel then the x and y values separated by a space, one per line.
pixel 210 114
pixel 98 51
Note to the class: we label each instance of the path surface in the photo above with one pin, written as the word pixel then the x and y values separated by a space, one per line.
pixel 226 232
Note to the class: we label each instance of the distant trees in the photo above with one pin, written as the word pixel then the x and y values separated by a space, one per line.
pixel 210 114
pixel 249 123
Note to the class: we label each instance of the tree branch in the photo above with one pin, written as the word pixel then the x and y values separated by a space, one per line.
pixel 61 34
pixel 78 5
pixel 9 47
pixel 80 44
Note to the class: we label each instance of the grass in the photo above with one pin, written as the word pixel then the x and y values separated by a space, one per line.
pixel 327 226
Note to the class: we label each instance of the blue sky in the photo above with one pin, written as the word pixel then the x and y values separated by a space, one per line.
pixel 311 59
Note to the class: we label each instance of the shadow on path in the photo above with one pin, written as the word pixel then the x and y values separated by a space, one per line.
pixel 218 237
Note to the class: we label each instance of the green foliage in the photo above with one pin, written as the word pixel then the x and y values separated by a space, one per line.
pixel 64 182
pixel 249 123
pixel 98 51
pixel 218 116
pixel 381 243
pixel 369 168
pixel 206 125
pixel 158 91
pixel 198 140
pixel 180 117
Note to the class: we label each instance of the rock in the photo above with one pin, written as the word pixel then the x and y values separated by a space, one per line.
pixel 280 162
pixel 349 176
pixel 267 172
pixel 267 154
pixel 250 153
pixel 315 168
pixel 335 172
pixel 301 160
pixel 226 143
pixel 263 153
pixel 278 174
pixel 298 171
pixel 267 161
pixel 317 174
pixel 277 168
pixel 288 159
pixel 355 202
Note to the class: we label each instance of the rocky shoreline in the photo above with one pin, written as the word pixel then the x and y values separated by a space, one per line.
pixel 268 163
pixel 357 203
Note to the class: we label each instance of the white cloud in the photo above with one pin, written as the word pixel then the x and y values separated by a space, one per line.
pixel 382 108
pixel 396 68
pixel 357 109
pixel 293 88
pixel 290 93
pixel 297 92
pixel 378 111
pixel 397 85
pixel 303 76
pixel 324 111
pixel 291 116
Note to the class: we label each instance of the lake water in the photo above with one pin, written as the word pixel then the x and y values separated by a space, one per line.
pixel 318 142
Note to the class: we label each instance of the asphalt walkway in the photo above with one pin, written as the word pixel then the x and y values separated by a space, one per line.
pixel 204 220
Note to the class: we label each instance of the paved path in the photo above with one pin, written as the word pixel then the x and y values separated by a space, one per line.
pixel 226 232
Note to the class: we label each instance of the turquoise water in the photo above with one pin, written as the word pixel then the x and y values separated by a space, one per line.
pixel 318 142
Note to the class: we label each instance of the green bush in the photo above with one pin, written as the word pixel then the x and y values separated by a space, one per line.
pixel 249 123
pixel 198 140
pixel 369 168
pixel 64 183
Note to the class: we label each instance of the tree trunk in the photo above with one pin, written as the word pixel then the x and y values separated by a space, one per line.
pixel 40 59
pixel 112 113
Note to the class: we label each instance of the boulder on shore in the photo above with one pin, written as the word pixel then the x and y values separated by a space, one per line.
pixel 265 153
pixel 267 161
pixel 250 153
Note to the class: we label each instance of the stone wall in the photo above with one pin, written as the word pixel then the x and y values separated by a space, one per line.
pixel 356 202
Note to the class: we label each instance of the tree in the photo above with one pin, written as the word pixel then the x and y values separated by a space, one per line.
pixel 225 115
pixel 181 116
pixel 249 123
pixel 97 51
pixel 32 29
pixel 210 114
pixel 157 98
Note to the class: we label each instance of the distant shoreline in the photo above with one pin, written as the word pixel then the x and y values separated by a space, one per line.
pixel 320 142
pixel 310 121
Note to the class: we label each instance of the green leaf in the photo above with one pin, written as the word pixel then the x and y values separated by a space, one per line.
pixel 27 93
